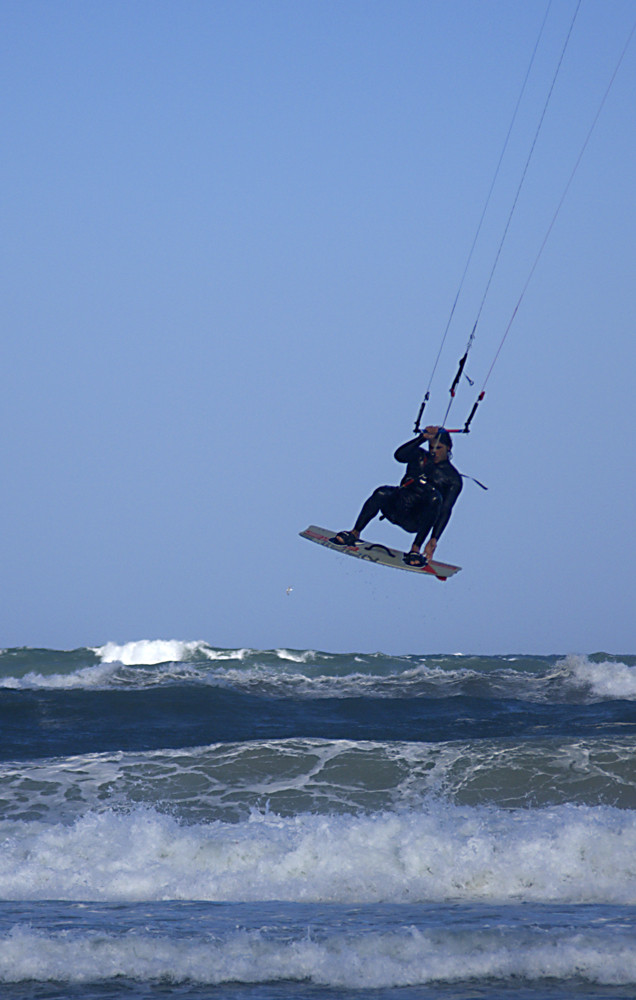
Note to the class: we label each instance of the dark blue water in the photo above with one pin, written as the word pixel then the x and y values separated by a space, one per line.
pixel 52 722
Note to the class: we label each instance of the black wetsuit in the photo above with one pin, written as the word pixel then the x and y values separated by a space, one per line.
pixel 423 500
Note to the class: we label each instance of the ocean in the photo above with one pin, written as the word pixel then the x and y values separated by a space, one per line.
pixel 179 820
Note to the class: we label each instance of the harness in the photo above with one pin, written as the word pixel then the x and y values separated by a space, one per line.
pixel 420 481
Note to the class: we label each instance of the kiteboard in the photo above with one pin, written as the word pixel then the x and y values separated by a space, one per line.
pixel 377 553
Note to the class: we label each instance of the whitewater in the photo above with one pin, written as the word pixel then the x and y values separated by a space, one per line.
pixel 179 819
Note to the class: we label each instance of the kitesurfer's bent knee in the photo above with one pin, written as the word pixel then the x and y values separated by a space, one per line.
pixel 373 505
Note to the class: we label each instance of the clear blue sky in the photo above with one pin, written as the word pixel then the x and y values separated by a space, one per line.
pixel 233 232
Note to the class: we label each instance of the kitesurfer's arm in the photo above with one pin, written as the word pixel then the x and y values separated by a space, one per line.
pixel 449 494
pixel 450 491
pixel 429 549
pixel 407 451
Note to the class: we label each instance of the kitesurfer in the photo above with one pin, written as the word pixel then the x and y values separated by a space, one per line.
pixel 423 500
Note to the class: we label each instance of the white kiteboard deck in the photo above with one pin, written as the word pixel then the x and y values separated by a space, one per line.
pixel 377 553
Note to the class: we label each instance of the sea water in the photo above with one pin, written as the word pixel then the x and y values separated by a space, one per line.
pixel 179 820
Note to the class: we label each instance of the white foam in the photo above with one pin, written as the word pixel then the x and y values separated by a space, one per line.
pixel 297 656
pixel 403 957
pixel 147 652
pixel 443 852
pixel 606 680
pixel 224 654
pixel 97 676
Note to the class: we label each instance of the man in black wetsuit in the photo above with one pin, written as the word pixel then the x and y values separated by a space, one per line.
pixel 423 500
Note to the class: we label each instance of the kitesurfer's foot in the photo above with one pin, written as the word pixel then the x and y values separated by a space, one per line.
pixel 415 559
pixel 345 538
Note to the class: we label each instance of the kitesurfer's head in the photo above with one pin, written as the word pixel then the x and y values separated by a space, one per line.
pixel 440 446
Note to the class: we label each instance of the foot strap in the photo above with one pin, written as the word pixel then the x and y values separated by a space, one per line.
pixel 344 538
pixel 415 559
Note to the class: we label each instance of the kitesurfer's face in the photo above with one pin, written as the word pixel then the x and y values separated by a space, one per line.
pixel 438 450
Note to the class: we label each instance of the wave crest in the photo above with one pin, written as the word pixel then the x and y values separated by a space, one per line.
pixel 148 652
pixel 568 854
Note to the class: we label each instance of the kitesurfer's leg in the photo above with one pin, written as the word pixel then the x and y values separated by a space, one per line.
pixel 380 500
pixel 371 507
